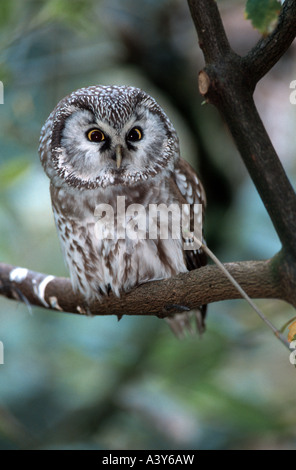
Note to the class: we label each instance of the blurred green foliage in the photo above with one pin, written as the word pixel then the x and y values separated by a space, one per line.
pixel 263 14
pixel 96 383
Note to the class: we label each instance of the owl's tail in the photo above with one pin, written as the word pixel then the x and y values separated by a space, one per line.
pixel 191 322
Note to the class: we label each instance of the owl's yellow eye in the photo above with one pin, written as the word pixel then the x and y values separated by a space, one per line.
pixel 135 134
pixel 95 135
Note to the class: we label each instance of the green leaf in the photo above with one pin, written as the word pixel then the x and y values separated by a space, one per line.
pixel 6 10
pixel 263 14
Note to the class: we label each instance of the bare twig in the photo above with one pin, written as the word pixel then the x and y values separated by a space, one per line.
pixel 245 296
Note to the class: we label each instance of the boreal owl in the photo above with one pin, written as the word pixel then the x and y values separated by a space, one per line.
pixel 103 145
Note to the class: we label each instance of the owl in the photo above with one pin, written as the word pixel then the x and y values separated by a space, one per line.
pixel 105 145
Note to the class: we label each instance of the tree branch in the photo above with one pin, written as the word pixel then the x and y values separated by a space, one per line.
pixel 189 290
pixel 226 83
pixel 211 34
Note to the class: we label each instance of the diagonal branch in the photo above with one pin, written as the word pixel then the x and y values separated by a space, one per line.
pixel 211 34
pixel 189 290
pixel 225 82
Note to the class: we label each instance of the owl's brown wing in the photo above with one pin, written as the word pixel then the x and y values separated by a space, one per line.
pixel 193 192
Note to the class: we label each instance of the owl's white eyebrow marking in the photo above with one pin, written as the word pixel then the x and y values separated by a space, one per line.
pixel 18 275
pixel 91 122
pixel 40 290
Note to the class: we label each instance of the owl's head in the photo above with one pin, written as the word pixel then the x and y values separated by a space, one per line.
pixel 107 135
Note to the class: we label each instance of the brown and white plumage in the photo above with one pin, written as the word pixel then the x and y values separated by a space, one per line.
pixel 134 153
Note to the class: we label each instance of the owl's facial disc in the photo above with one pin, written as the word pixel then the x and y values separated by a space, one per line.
pixel 98 150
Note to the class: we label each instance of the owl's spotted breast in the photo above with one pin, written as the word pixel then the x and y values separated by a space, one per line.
pixel 97 264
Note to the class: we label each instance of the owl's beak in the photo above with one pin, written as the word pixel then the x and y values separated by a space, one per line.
pixel 118 154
